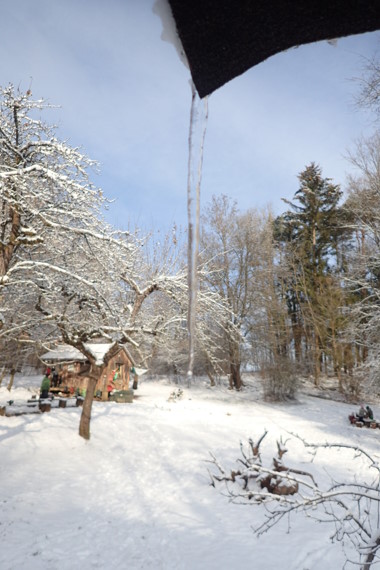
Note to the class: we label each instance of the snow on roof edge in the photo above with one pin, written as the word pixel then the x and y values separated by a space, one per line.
pixel 68 353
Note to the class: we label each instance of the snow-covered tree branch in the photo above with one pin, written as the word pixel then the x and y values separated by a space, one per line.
pixel 351 505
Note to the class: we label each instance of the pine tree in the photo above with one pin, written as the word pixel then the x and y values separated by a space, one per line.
pixel 311 234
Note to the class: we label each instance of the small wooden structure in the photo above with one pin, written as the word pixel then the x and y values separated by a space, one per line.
pixel 45 405
pixel 73 369
pixel 122 396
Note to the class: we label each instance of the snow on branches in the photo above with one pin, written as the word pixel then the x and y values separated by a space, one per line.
pixel 43 181
pixel 65 274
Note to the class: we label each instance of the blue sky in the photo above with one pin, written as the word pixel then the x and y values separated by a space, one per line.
pixel 125 98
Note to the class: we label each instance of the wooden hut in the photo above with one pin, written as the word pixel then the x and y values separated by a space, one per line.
pixel 72 368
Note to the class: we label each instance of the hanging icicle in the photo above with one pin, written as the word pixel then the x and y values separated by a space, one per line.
pixel 197 133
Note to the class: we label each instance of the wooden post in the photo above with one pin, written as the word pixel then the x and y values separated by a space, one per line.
pixel 62 403
pixel 104 391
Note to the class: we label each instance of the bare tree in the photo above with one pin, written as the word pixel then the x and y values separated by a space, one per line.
pixel 103 287
pixel 369 95
pixel 269 333
pixel 61 265
pixel 362 207
pixel 65 274
pixel 44 184
pixel 232 255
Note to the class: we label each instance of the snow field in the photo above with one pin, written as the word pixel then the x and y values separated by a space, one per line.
pixel 137 495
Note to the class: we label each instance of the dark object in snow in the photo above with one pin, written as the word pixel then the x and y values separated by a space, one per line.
pixel 176 395
pixel 122 396
pixel 224 39
pixel 15 412
pixel 45 405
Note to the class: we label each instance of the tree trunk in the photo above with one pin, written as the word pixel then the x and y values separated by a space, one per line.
pixel 10 383
pixel 297 337
pixel 2 375
pixel 235 363
pixel 8 249
pixel 235 377
pixel 210 376
pixel 348 359
pixel 371 555
pixel 85 419
pixel 317 360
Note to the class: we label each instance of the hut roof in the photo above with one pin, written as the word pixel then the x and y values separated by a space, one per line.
pixel 223 39
pixel 66 353
pixel 63 353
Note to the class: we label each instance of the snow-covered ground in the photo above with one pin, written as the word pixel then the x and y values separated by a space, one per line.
pixel 138 494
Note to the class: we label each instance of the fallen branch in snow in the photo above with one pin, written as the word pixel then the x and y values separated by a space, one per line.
pixel 352 506
pixel 176 395
pixel 278 480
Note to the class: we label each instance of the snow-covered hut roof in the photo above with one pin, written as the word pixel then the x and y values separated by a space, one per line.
pixel 63 353
pixel 98 351
pixel 66 353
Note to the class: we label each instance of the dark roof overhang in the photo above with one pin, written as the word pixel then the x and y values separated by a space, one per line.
pixel 224 38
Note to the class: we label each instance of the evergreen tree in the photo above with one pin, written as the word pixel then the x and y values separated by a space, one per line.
pixel 311 234
pixel 313 224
